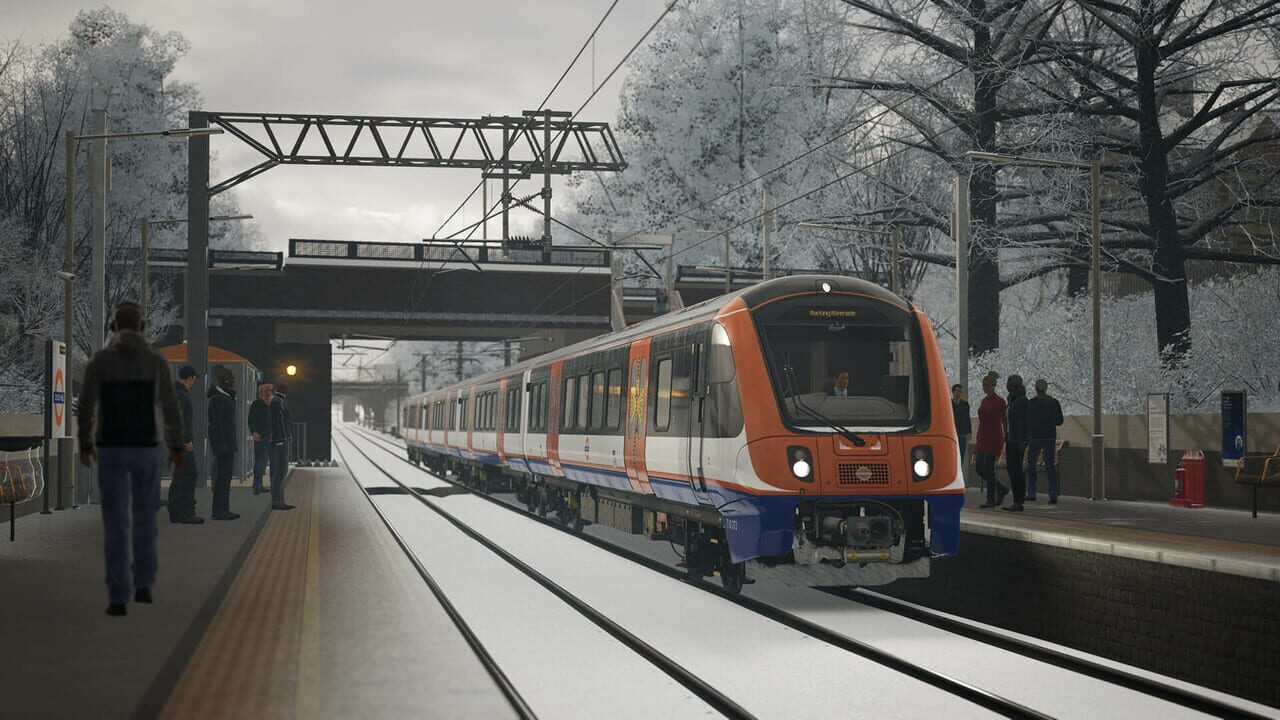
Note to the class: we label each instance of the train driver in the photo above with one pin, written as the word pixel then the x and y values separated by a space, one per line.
pixel 841 386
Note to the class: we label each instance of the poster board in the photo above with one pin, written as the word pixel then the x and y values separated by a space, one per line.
pixel 1235 412
pixel 1158 428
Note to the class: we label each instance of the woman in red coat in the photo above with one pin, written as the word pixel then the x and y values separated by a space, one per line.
pixel 990 440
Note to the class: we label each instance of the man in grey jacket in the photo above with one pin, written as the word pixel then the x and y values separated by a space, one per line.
pixel 124 385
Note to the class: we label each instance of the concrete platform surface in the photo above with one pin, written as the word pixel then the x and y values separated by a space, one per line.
pixel 327 618
pixel 1213 539
pixel 63 656
pixel 313 612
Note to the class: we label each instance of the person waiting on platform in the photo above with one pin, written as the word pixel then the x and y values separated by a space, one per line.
pixel 182 491
pixel 1015 443
pixel 990 440
pixel 260 428
pixel 123 385
pixel 281 434
pixel 1044 415
pixel 960 413
pixel 840 388
pixel 222 436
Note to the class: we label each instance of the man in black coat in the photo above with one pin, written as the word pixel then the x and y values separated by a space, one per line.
pixel 222 436
pixel 182 490
pixel 1015 440
pixel 964 423
pixel 1044 415
pixel 260 428
pixel 281 435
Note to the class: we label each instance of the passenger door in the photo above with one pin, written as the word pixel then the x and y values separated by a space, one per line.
pixel 636 418
pixel 694 428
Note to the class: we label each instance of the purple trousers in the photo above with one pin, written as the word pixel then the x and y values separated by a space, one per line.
pixel 129 479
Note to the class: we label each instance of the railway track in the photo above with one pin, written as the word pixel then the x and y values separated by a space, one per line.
pixel 1048 655
pixel 657 658
pixel 983 698
pixel 1182 697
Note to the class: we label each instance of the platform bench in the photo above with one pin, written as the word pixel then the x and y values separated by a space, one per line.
pixel 1259 471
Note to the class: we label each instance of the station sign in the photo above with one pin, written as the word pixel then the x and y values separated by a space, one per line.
pixel 1158 428
pixel 57 389
pixel 1235 413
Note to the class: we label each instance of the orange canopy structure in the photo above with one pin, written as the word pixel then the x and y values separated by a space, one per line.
pixel 178 353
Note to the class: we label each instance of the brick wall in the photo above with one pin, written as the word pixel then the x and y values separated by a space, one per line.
pixel 1217 630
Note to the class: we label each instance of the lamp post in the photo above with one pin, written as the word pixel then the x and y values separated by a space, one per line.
pixel 98 180
pixel 893 233
pixel 1099 483
pixel 145 246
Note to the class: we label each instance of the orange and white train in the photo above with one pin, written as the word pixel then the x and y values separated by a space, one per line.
pixel 799 429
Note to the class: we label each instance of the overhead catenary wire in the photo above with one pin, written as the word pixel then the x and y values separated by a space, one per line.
pixel 487 214
pixel 414 296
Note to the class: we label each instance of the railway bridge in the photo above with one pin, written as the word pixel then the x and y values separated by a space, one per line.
pixel 279 309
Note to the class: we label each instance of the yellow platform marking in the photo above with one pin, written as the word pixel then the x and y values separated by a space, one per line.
pixel 306 705
pixel 250 662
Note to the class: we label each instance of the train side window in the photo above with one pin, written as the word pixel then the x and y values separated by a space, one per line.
pixel 543 409
pixel 613 402
pixel 584 401
pixel 597 400
pixel 570 394
pixel 662 406
pixel 534 424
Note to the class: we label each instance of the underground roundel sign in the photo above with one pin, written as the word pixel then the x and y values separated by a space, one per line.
pixel 57 379
pixel 59 399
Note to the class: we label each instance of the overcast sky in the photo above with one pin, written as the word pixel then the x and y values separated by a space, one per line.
pixel 373 57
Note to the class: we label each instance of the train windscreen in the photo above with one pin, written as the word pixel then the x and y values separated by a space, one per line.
pixel 847 361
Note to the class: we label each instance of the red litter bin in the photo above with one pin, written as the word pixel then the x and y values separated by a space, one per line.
pixel 1189 480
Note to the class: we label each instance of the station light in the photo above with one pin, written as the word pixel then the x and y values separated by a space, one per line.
pixel 291 370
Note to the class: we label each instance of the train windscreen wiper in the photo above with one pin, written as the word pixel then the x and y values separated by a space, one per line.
pixel 795 397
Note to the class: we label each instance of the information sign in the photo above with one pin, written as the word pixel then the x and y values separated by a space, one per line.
pixel 1235 411
pixel 1158 428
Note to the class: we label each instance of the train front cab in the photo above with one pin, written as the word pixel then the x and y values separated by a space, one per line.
pixel 865 476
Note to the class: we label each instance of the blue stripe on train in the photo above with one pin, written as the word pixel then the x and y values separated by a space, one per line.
pixel 755 525
pixel 761 526
pixel 616 479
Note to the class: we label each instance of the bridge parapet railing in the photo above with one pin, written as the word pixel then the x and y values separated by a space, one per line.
pixel 477 251
pixel 163 257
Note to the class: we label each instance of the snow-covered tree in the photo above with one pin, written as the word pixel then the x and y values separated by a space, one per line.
pixel 105 61
pixel 721 96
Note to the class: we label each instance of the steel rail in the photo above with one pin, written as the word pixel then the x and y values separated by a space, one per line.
pixel 491 666
pixel 1047 655
pixel 983 698
pixel 705 691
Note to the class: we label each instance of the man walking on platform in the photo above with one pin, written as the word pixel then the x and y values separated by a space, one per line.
pixel 260 428
pixel 281 435
pixel 1044 415
pixel 182 490
pixel 123 385
pixel 1015 443
pixel 222 436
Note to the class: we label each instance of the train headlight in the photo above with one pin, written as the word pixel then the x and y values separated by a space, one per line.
pixel 801 462
pixel 921 462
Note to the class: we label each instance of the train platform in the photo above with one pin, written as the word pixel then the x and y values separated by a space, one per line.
pixel 1213 539
pixel 313 612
